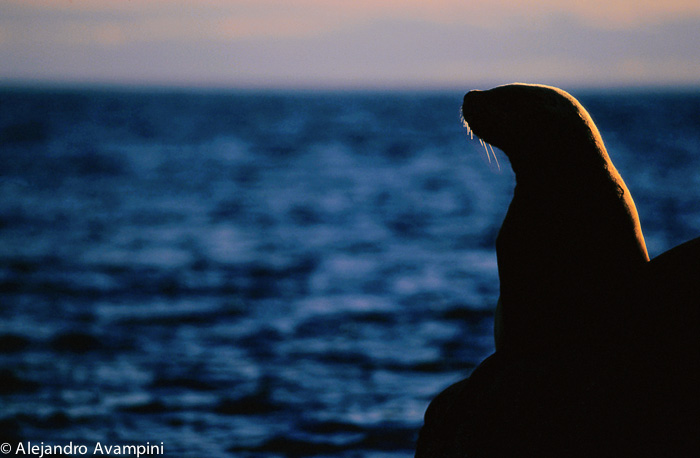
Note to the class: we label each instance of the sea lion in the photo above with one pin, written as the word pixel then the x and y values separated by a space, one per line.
pixel 598 352
pixel 571 241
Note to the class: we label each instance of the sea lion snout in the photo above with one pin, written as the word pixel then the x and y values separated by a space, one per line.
pixel 470 105
pixel 479 115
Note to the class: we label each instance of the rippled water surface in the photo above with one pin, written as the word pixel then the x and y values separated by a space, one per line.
pixel 268 274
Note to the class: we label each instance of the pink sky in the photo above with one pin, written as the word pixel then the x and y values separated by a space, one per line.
pixel 334 43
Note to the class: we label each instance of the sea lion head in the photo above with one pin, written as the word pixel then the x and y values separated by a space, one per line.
pixel 538 127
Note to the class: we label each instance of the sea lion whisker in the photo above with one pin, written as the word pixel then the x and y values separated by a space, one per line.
pixel 494 157
pixel 488 156
pixel 486 145
pixel 464 121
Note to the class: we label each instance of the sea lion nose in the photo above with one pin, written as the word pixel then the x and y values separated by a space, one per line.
pixel 473 93
pixel 469 103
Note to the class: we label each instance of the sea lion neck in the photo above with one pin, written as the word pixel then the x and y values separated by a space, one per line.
pixel 568 166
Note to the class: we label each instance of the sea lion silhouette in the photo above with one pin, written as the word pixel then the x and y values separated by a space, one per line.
pixel 597 348
pixel 571 238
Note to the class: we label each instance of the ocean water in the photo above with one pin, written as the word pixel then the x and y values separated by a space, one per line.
pixel 269 274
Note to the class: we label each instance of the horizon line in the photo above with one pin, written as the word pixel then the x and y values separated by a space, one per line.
pixel 311 87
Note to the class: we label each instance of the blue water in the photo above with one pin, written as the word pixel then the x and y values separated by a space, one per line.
pixel 269 274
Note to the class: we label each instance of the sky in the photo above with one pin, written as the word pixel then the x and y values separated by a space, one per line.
pixel 350 43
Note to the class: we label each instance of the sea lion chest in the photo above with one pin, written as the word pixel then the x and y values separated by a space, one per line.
pixel 562 253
